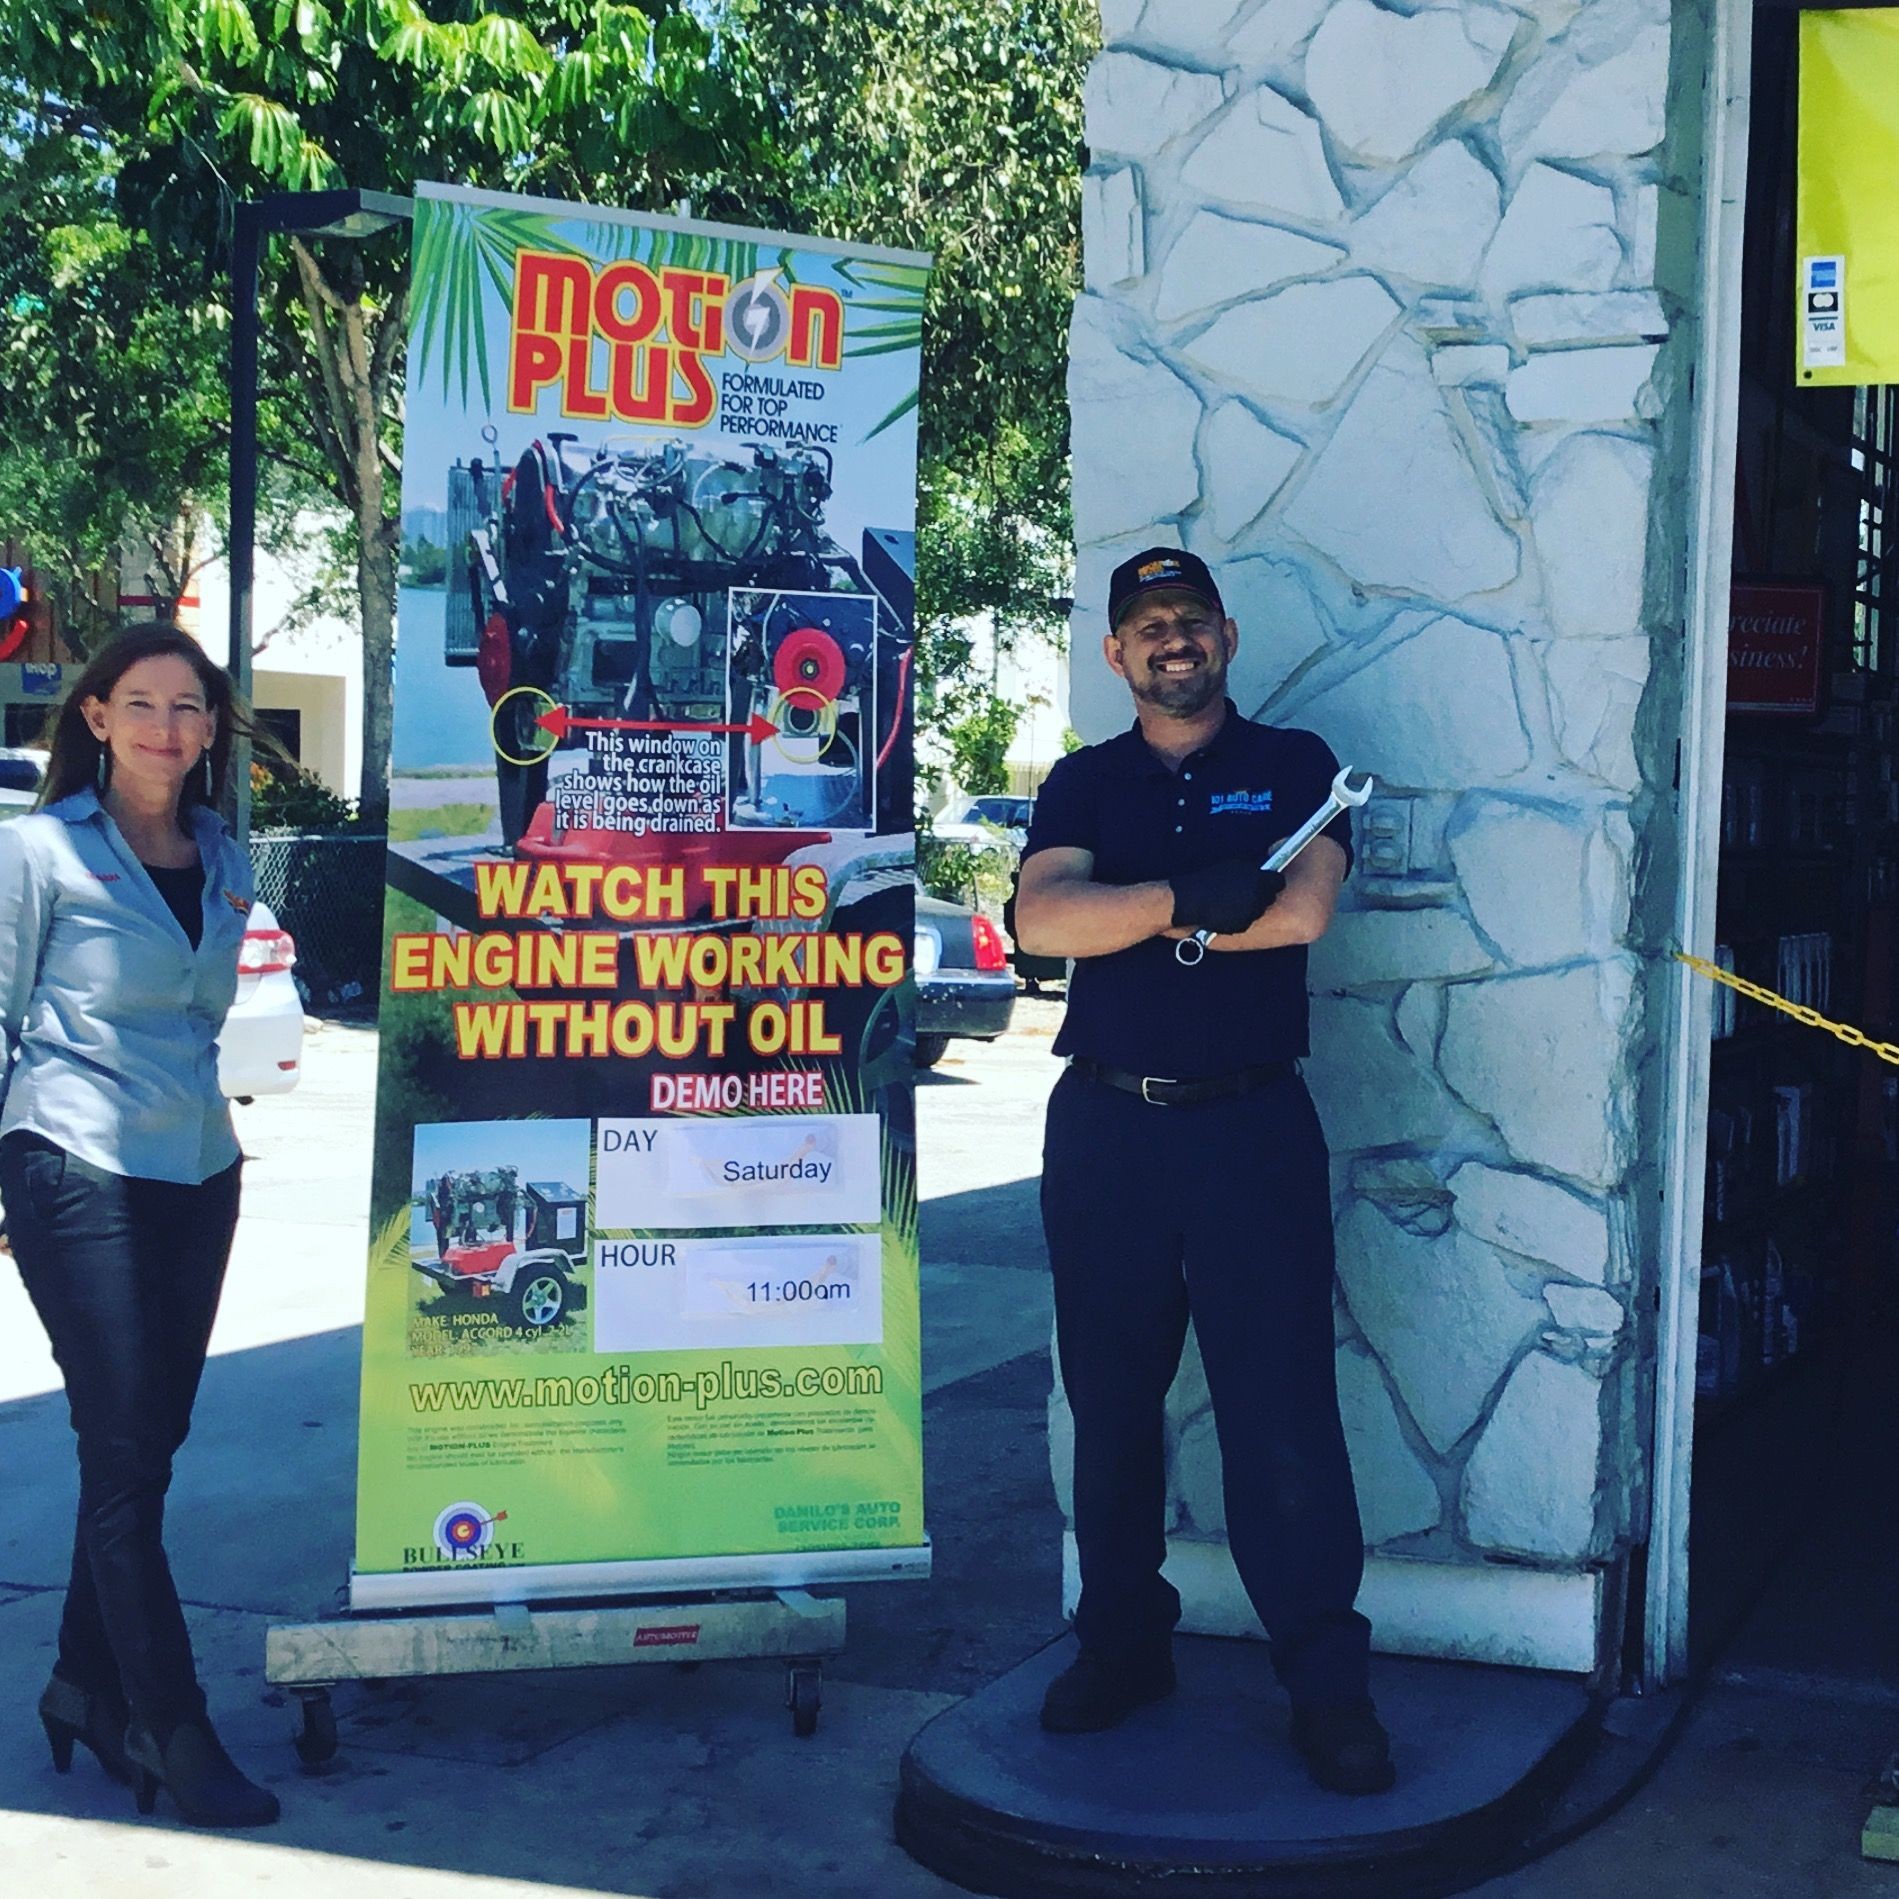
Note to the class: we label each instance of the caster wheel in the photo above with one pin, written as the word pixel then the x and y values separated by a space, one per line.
pixel 316 1730
pixel 804 1696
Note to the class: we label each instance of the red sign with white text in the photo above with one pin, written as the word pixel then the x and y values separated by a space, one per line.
pixel 1775 645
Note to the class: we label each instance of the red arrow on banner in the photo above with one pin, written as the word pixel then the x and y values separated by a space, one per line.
pixel 559 721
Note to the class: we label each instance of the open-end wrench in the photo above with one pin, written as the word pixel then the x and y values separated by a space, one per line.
pixel 1190 949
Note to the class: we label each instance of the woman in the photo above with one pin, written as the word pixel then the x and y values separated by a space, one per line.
pixel 122 907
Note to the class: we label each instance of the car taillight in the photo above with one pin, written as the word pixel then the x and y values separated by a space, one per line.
pixel 264 952
pixel 990 953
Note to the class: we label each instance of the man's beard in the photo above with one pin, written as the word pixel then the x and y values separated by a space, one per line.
pixel 1182 695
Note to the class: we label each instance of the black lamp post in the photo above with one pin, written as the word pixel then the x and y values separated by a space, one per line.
pixel 355 214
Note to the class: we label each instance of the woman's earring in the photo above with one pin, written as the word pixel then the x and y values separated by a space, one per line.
pixel 105 767
pixel 209 788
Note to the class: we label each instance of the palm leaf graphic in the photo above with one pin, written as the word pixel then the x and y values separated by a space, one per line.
pixel 464 269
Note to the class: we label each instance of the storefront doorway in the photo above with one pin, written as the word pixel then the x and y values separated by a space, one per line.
pixel 1790 1566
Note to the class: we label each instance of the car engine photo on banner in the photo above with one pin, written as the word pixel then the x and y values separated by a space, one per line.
pixel 643 1266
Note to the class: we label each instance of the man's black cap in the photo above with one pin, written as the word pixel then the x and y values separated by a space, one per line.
pixel 1160 567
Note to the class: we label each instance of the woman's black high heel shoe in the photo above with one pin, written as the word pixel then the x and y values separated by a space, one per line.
pixel 68 1714
pixel 205 1784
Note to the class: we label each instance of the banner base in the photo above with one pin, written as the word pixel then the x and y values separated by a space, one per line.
pixel 475 1585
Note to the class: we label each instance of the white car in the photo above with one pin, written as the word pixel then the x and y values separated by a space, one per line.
pixel 988 823
pixel 260 1051
pixel 22 771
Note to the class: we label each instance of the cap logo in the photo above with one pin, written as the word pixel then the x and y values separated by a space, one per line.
pixel 1153 569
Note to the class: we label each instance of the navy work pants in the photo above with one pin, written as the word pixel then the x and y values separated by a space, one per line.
pixel 1222 1210
pixel 125 1275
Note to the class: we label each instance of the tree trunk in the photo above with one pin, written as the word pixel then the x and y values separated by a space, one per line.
pixel 376 600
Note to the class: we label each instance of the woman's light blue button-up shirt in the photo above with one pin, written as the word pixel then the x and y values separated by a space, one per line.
pixel 111 1018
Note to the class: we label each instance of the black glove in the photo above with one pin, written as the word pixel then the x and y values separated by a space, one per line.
pixel 1227 899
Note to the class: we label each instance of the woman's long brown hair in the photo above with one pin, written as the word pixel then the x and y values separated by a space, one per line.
pixel 74 764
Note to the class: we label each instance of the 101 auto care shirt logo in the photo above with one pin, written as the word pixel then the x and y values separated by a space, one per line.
pixel 659 327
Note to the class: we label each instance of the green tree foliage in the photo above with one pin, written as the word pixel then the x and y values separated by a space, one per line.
pixel 208 101
pixel 955 126
pixel 112 406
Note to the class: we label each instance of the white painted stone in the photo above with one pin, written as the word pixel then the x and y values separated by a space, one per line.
pixel 1119 18
pixel 1198 31
pixel 1406 1191
pixel 1396 1496
pixel 1393 499
pixel 1534 1217
pixel 1243 464
pixel 1465 365
pixel 1564 108
pixel 1558 233
pixel 1369 1091
pixel 1543 1057
pixel 1595 693
pixel 1113 246
pixel 1282 626
pixel 1135 106
pixel 1382 81
pixel 1530 1485
pixel 1197 1477
pixel 1581 385
pixel 1300 344
pixel 1525 872
pixel 1421 1020
pixel 1367 947
pixel 1644 218
pixel 1276 31
pixel 1264 155
pixel 1589 507
pixel 1435 224
pixel 1546 319
pixel 1438 712
pixel 1584 1309
pixel 1115 400
pixel 1216 259
pixel 1441 1314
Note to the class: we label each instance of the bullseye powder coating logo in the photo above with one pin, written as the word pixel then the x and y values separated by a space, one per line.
pixel 466 1529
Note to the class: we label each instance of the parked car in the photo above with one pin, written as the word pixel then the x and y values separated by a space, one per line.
pixel 988 823
pixel 260 1051
pixel 964 983
pixel 22 771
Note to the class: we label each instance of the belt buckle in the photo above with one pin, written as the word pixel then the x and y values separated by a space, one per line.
pixel 1162 1081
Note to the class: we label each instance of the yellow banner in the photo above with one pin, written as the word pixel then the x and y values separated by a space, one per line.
pixel 1846 266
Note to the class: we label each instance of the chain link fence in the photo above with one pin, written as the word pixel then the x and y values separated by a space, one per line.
pixel 326 890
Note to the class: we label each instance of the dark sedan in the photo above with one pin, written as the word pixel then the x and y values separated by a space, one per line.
pixel 964 983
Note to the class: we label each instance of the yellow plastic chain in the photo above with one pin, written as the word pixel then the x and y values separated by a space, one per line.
pixel 1808 1018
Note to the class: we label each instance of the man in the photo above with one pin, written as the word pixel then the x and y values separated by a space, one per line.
pixel 1185 1170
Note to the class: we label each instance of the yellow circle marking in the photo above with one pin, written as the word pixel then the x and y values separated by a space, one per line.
pixel 824 731
pixel 494 722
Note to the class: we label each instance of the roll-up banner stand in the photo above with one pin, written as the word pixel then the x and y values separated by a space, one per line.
pixel 642 1300
pixel 1846 316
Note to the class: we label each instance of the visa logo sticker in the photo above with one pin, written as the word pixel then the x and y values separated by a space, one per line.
pixel 1242 802
pixel 1822 312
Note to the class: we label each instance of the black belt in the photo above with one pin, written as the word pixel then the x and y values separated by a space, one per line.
pixel 1163 1091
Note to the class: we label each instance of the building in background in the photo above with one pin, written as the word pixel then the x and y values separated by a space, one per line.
pixel 1434 331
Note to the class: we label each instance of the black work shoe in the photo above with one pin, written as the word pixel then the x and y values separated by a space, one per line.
pixel 1345 1747
pixel 1098 1690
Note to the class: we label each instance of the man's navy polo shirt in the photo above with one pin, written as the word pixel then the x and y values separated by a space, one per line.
pixel 1141 1009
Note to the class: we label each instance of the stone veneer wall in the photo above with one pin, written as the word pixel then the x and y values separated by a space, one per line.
pixel 1373 320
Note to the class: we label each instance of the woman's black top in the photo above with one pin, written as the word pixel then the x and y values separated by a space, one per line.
pixel 183 891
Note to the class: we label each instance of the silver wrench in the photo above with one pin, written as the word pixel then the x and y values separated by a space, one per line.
pixel 1190 949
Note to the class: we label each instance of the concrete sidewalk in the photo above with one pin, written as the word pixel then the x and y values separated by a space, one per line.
pixel 656 1781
